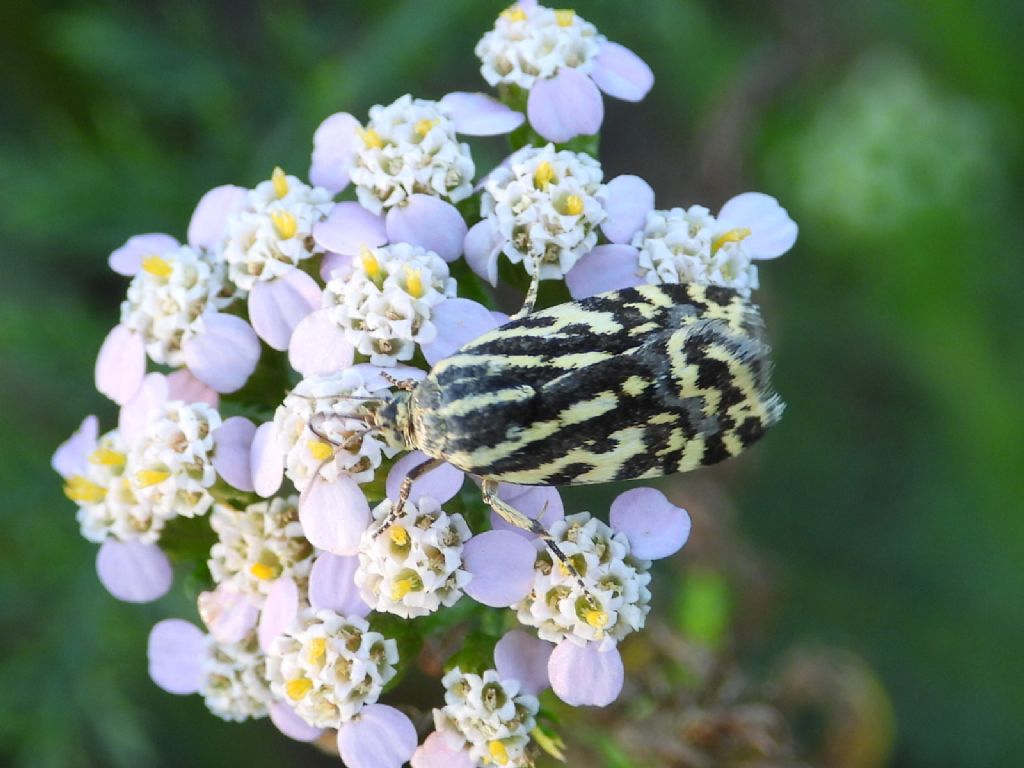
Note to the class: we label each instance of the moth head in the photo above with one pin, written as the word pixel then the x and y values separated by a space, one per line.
pixel 393 420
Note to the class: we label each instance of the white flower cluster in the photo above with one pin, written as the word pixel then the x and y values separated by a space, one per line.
pixel 410 147
pixel 543 206
pixel 690 246
pixel 259 544
pixel 274 232
pixel 235 684
pixel 172 465
pixel 416 567
pixel 488 716
pixel 322 431
pixel 330 666
pixel 168 297
pixel 385 304
pixel 535 42
pixel 619 599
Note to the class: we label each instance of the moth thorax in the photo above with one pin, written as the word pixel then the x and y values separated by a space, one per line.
pixel 394 420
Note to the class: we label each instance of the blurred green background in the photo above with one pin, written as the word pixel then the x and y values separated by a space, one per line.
pixel 889 501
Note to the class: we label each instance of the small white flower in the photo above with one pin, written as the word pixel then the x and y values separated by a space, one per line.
pixel 234 684
pixel 543 205
pixel 385 304
pixel 259 544
pixel 618 599
pixel 410 147
pixel 329 666
pixel 529 43
pixel 416 566
pixel 489 716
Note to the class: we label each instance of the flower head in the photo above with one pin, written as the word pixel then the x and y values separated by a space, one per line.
pixel 234 684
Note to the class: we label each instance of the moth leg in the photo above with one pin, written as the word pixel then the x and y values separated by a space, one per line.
pixel 407 384
pixel 403 494
pixel 531 293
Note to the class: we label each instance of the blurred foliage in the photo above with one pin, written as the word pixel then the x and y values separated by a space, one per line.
pixel 890 498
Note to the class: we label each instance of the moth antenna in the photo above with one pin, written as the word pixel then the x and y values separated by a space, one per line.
pixel 407 384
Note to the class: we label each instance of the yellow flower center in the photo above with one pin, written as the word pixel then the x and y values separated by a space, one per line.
pixel 414 282
pixel 320 450
pixel 261 571
pixel 280 182
pixel 543 175
pixel 157 266
pixel 732 236
pixel 107 458
pixel 370 138
pixel 404 586
pixel 83 490
pixel 285 224
pixel 148 477
pixel 370 264
pixel 573 205
pixel 498 752
pixel 298 688
pixel 514 13
pixel 596 618
pixel 398 535
pixel 565 17
pixel 424 126
pixel 317 649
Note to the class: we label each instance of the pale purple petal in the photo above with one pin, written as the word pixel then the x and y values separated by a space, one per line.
pixel 132 571
pixel 277 306
pixel 477 114
pixel 209 224
pixel 541 502
pixel 332 151
pixel 523 657
pixel 332 585
pixel 627 200
pixel 134 415
pixel 175 652
pixel 655 527
pixel 72 456
pixel 224 354
pixel 291 725
pixel 565 106
pixel 379 737
pixel 349 228
pixel 428 222
pixel 266 460
pixel 127 260
pixel 228 614
pixel 121 364
pixel 482 246
pixel 234 449
pixel 500 318
pixel 772 232
pixel 440 483
pixel 502 567
pixel 436 752
pixel 280 610
pixel 606 268
pixel 585 676
pixel 458 322
pixel 334 514
pixel 332 263
pixel 182 385
pixel 621 73
pixel 319 346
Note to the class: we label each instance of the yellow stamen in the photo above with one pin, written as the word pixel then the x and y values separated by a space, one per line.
pixel 498 752
pixel 399 536
pixel 148 477
pixel 320 450
pixel 565 17
pixel 285 224
pixel 156 266
pixel 298 688
pixel 280 182
pixel 543 175
pixel 370 264
pixel 317 649
pixel 573 205
pixel 414 282
pixel 514 13
pixel 107 458
pixel 80 489
pixel 370 138
pixel 732 236
pixel 261 571
pixel 596 618
pixel 404 586
pixel 424 126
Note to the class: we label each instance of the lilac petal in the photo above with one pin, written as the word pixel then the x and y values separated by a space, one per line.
pixel 542 503
pixel 280 610
pixel 175 652
pixel 436 752
pixel 621 73
pixel 499 317
pixel 428 222
pixel 585 676
pixel 565 106
pixel 458 322
pixel 523 657
pixel 209 223
pixel 332 263
pixel 72 456
pixel 502 567
pixel 655 527
pixel 291 725
pixel 121 364
pixel 134 415
pixel 477 114
pixel 627 201
pixel 332 152
pixel 606 268
pixel 182 385
pixel 132 571
pixel 441 483
pixel 229 615
pixel 225 354
pixel 266 461
pixel 332 585
pixel 334 514
pixel 772 232
pixel 482 247
pixel 277 306
pixel 378 737
pixel 319 346
pixel 349 228
pixel 127 260
pixel 234 449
